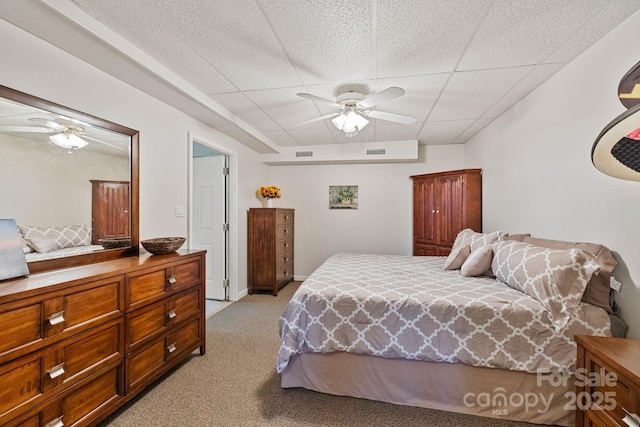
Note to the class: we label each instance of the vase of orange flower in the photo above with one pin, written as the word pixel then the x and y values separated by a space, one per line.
pixel 268 194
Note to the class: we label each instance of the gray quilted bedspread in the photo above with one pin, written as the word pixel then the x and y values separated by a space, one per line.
pixel 411 308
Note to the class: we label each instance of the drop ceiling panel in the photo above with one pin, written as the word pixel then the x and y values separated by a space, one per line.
pixel 610 16
pixel 312 136
pixel 424 37
pixel 325 40
pixel 284 107
pixel 469 94
pixel 517 32
pixel 281 138
pixel 534 79
pixel 473 128
pixel 242 106
pixel 421 93
pixel 434 133
pixel 396 132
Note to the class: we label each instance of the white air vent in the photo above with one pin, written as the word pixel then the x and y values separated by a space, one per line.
pixel 376 151
pixel 304 153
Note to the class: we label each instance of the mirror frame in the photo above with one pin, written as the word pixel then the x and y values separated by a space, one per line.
pixel 107 254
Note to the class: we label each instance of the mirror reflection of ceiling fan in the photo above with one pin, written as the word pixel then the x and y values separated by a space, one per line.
pixel 65 135
pixel 355 109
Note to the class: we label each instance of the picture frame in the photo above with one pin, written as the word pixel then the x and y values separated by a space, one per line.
pixel 13 262
pixel 343 197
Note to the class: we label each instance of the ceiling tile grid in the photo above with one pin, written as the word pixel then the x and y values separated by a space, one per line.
pixel 462 63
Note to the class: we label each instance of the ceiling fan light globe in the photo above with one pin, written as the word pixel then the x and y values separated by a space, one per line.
pixel 68 141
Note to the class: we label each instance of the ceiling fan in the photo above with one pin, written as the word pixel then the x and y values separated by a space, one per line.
pixel 65 135
pixel 355 109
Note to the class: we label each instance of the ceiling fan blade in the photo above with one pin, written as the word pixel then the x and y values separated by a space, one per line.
pixel 383 96
pixel 318 99
pixel 102 142
pixel 28 129
pixel 317 119
pixel 391 117
pixel 48 123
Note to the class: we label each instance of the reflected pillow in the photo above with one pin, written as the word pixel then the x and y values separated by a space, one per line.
pixel 66 236
pixel 457 257
pixel 42 244
pixel 478 262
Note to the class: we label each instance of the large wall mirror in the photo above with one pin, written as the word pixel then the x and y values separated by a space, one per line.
pixel 70 180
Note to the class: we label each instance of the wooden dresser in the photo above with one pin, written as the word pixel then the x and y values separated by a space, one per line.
pixel 270 249
pixel 607 381
pixel 444 204
pixel 76 344
pixel 109 209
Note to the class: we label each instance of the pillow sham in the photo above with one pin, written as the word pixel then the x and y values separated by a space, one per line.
pixel 478 262
pixel 457 257
pixel 42 245
pixel 66 236
pixel 599 287
pixel 556 278
pixel 474 239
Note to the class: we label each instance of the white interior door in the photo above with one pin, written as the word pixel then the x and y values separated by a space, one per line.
pixel 209 218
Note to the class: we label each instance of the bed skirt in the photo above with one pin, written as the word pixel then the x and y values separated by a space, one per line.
pixel 454 387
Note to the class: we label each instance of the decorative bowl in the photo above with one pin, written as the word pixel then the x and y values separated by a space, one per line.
pixel 163 245
pixel 115 242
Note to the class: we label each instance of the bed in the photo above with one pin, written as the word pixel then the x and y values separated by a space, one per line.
pixel 488 335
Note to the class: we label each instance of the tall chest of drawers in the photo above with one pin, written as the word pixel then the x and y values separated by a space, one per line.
pixel 270 248
pixel 76 344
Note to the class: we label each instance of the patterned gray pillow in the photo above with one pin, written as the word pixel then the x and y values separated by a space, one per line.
pixel 474 239
pixel 457 257
pixel 556 278
pixel 66 236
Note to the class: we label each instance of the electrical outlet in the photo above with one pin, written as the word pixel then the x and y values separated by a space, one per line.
pixel 179 211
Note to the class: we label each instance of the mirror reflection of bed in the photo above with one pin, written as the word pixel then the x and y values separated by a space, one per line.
pixel 63 198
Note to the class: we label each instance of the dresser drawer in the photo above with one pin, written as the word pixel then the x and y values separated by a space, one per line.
pixel 283 259
pixel 285 273
pixel 33 323
pixel 153 320
pixel 148 286
pixel 147 363
pixel 87 401
pixel 284 245
pixel 33 378
pixel 284 231
pixel 284 216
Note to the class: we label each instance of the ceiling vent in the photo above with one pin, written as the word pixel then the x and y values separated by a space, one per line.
pixel 304 153
pixel 376 151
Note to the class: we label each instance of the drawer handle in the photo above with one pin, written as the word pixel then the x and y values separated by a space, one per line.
pixel 632 420
pixel 56 318
pixel 56 371
pixel 173 279
pixel 55 423
pixel 286 259
pixel 172 314
pixel 172 348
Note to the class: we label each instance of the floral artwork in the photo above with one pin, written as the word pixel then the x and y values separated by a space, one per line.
pixel 343 197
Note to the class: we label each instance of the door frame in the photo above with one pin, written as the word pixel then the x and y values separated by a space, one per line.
pixel 232 208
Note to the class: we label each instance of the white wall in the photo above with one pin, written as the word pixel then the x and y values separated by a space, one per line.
pixel 33 66
pixel 538 176
pixel 44 185
pixel 381 224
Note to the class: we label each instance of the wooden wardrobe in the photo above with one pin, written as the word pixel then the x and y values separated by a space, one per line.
pixel 445 203
pixel 109 209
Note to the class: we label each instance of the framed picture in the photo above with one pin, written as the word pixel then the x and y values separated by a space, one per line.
pixel 343 197
pixel 12 260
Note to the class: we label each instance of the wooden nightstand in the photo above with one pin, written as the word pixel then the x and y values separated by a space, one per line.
pixel 607 380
